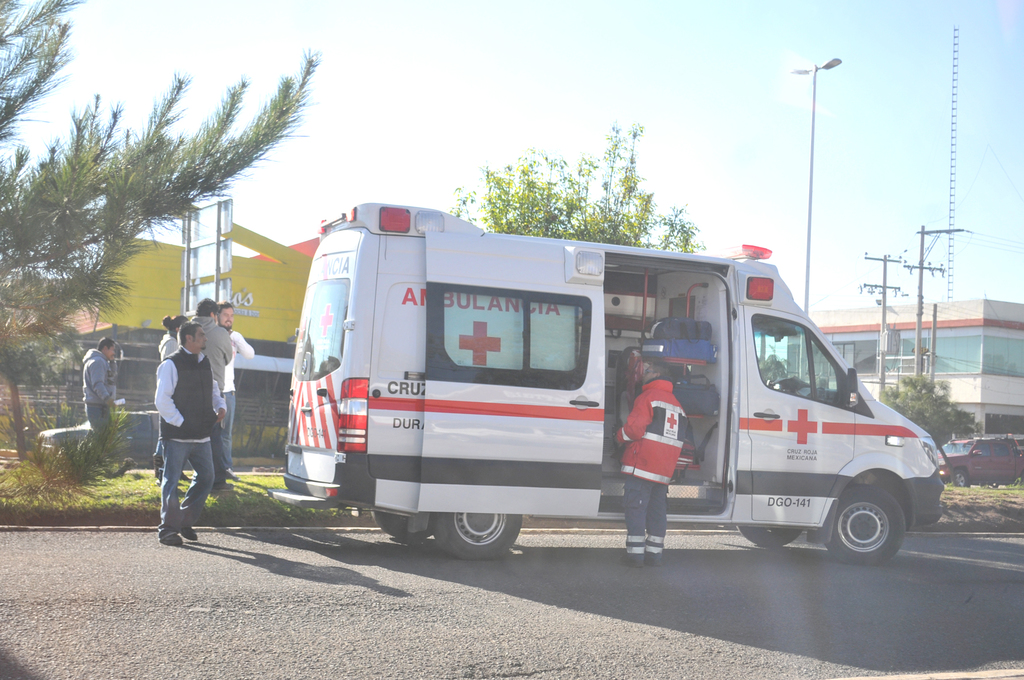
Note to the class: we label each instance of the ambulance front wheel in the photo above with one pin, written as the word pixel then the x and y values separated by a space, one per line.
pixel 771 538
pixel 397 527
pixel 476 535
pixel 869 526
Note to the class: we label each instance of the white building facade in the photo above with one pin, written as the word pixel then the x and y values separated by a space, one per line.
pixel 979 350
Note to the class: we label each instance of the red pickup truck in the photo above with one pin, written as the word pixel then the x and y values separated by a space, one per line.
pixel 985 460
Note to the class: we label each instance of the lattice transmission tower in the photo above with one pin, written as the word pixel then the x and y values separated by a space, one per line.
pixel 952 167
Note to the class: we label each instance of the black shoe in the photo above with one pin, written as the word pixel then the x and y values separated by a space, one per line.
pixel 222 486
pixel 649 560
pixel 635 561
pixel 173 539
pixel 189 533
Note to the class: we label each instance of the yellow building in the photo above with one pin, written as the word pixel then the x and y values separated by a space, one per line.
pixel 266 290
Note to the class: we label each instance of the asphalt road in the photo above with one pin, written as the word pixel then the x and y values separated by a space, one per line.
pixel 317 603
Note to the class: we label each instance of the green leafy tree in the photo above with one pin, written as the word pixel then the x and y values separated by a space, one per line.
pixel 927 403
pixel 70 219
pixel 599 200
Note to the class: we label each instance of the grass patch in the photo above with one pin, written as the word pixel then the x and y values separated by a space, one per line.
pixel 134 500
pixel 983 493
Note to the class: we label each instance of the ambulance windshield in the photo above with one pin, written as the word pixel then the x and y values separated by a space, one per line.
pixel 319 345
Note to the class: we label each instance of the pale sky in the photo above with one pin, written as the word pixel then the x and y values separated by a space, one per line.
pixel 413 98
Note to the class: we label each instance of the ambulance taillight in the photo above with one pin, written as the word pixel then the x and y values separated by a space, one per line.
pixel 352 409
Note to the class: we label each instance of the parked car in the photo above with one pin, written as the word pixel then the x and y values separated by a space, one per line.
pixel 994 459
pixel 143 432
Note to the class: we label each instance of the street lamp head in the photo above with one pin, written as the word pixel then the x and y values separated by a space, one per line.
pixel 832 64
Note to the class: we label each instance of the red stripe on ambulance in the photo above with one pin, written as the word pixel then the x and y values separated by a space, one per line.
pixel 802 427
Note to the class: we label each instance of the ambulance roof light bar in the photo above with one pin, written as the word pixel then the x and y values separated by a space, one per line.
pixel 744 252
pixel 327 227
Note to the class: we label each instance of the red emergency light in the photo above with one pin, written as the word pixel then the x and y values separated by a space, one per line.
pixel 760 288
pixel 396 220
pixel 744 252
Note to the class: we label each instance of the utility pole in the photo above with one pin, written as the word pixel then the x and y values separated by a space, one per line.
pixel 884 335
pixel 920 267
pixel 935 325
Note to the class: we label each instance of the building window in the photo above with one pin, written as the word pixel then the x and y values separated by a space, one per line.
pixel 958 354
pixel 1003 356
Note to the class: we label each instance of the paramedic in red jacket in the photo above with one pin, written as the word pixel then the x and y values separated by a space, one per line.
pixel 653 435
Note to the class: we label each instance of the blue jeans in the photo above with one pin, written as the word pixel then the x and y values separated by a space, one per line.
pixel 646 513
pixel 98 415
pixel 217 451
pixel 175 515
pixel 227 425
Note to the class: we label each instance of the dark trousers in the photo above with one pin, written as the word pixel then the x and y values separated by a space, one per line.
pixel 646 517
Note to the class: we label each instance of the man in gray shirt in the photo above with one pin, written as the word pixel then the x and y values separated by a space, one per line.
pixel 99 382
pixel 220 353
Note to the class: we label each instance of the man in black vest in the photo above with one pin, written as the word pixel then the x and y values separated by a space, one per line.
pixel 190 404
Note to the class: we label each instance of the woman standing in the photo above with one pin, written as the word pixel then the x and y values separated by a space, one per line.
pixel 169 343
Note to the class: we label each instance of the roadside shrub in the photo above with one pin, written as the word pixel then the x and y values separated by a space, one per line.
pixel 62 472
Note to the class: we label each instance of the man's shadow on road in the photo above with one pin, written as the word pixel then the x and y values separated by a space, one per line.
pixel 332 574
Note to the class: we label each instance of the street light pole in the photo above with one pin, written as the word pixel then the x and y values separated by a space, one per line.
pixel 810 185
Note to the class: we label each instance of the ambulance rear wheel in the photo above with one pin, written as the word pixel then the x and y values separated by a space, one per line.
pixel 397 527
pixel 476 535
pixel 869 526
pixel 773 538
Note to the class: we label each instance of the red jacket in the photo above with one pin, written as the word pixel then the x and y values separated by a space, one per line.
pixel 654 433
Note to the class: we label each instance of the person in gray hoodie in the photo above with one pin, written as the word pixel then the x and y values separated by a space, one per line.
pixel 220 352
pixel 98 388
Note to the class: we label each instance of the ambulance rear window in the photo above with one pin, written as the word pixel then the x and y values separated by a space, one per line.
pixel 319 345
pixel 507 337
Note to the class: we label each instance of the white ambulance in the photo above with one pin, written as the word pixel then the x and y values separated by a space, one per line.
pixel 453 380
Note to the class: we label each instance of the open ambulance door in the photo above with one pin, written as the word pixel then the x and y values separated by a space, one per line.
pixel 514 408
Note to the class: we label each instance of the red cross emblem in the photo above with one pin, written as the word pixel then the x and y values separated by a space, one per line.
pixel 802 426
pixel 479 343
pixel 672 420
pixel 326 320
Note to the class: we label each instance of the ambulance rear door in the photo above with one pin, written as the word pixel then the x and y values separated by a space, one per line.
pixel 514 408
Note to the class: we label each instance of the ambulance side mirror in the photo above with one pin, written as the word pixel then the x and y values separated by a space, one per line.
pixel 851 384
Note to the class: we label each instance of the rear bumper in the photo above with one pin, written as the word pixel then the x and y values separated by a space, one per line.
pixel 352 485
pixel 303 500
pixel 925 493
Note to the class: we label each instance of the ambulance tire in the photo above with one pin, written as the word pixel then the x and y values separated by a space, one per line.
pixel 476 536
pixel 772 539
pixel 397 527
pixel 869 526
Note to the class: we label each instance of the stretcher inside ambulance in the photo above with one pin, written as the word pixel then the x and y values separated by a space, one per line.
pixel 452 381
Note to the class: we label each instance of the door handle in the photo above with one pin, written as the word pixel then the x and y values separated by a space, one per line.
pixel 767 416
pixel 322 392
pixel 584 402
pixel 306 409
